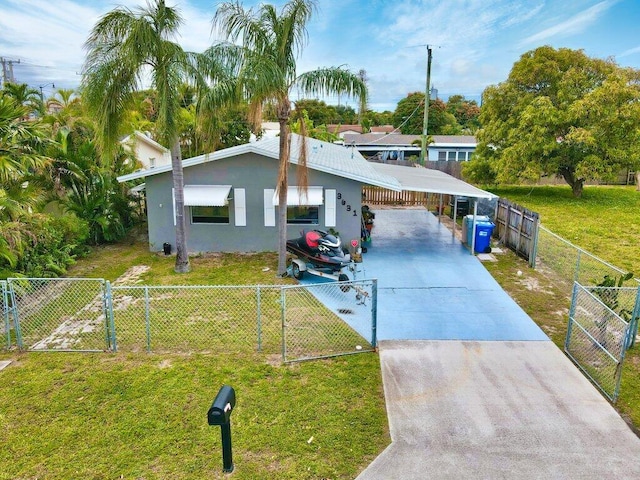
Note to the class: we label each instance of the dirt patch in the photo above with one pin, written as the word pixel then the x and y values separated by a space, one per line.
pixel 532 284
pixel 132 275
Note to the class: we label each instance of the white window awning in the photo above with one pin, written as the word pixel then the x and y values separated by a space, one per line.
pixel 296 198
pixel 206 195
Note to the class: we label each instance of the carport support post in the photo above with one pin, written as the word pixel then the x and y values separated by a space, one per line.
pixel 473 228
pixel 455 215
pixel 439 208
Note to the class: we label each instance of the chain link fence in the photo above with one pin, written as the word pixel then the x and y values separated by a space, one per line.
pixel 197 318
pixel 300 322
pixel 60 313
pixel 597 336
pixel 328 319
pixel 567 263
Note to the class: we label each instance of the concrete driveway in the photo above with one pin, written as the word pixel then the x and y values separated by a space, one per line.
pixel 473 388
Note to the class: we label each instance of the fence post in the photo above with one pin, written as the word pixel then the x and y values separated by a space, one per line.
pixel 633 324
pixel 147 317
pixel 374 313
pixel 259 318
pixel 5 313
pixel 534 244
pixel 572 311
pixel 282 316
pixel 16 319
pixel 108 316
pixel 576 275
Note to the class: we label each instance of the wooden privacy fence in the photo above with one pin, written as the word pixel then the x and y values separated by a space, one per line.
pixel 517 229
pixel 382 196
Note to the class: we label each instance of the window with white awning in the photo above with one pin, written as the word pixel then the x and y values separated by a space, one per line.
pixel 296 197
pixel 206 195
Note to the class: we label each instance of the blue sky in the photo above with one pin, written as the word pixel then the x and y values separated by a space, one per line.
pixel 474 42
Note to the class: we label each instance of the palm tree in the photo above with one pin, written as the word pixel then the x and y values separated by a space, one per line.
pixel 271 42
pixel 123 47
pixel 24 95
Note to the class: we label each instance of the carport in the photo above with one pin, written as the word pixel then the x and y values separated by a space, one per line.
pixel 418 179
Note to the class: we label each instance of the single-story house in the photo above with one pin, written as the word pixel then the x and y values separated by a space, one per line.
pixel 384 129
pixel 342 130
pixel 230 200
pixel 148 152
pixel 395 146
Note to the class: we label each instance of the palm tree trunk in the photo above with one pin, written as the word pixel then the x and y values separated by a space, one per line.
pixel 182 252
pixel 284 110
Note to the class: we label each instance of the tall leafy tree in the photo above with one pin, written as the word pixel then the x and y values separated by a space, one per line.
pixel 125 47
pixel 271 41
pixel 409 115
pixel 560 113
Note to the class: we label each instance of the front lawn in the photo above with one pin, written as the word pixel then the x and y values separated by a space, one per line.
pixel 143 416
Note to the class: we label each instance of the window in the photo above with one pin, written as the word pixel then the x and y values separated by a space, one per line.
pixel 210 214
pixel 451 156
pixel 442 156
pixel 302 215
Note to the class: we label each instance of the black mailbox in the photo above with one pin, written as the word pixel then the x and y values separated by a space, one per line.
pixel 220 411
pixel 220 414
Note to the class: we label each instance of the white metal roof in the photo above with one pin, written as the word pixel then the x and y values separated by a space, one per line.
pixel 420 179
pixel 322 156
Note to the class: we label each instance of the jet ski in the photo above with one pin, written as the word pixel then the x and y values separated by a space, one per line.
pixel 319 253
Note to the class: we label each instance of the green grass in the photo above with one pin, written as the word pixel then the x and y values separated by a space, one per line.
pixel 95 416
pixel 605 222
pixel 143 416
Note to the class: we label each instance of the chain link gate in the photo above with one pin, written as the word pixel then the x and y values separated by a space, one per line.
pixel 597 335
pixel 61 314
pixel 328 319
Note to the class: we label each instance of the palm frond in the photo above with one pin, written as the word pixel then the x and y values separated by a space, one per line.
pixel 332 80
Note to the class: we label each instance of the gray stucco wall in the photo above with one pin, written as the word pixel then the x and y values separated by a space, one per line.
pixel 254 173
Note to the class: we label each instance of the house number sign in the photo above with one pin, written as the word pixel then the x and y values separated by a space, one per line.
pixel 344 204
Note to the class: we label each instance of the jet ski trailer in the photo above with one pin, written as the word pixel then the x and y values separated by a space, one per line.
pixel 319 253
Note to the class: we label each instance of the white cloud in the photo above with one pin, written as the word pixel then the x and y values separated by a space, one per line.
pixel 572 26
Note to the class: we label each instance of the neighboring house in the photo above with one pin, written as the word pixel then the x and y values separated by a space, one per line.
pixel 395 146
pixel 269 130
pixel 382 129
pixel 148 152
pixel 230 201
pixel 452 148
pixel 342 130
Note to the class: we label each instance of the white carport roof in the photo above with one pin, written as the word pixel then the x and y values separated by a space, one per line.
pixel 420 179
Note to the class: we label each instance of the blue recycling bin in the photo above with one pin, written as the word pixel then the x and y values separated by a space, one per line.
pixel 484 230
pixel 467 226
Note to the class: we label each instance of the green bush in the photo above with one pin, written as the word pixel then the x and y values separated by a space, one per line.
pixel 50 245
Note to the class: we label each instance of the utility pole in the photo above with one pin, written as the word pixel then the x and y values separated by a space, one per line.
pixel 425 122
pixel 7 70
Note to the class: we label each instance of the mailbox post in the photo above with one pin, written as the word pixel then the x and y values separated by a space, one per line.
pixel 220 414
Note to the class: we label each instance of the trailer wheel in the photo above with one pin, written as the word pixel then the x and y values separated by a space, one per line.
pixel 343 278
pixel 295 270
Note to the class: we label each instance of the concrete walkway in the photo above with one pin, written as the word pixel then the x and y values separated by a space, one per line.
pixel 473 388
